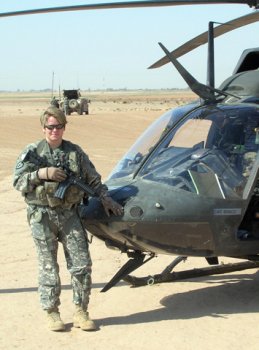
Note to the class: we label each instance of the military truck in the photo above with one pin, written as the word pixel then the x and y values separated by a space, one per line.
pixel 73 102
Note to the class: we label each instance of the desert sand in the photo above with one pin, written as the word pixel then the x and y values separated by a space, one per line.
pixel 216 312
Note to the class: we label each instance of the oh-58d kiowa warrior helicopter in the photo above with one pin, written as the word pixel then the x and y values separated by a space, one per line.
pixel 189 185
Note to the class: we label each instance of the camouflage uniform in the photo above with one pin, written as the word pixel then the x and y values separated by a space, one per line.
pixel 54 220
pixel 66 106
pixel 54 102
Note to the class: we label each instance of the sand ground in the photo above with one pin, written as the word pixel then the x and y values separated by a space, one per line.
pixel 218 312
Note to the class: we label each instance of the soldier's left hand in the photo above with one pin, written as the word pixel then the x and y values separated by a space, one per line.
pixel 111 206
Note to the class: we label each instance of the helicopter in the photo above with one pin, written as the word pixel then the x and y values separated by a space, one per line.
pixel 189 185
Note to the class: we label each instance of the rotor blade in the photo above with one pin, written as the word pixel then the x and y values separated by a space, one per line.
pixel 126 4
pixel 203 38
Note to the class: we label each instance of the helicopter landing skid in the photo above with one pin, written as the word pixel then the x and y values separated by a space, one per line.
pixel 168 276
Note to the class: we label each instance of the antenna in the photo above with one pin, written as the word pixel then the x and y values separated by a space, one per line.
pixel 52 85
pixel 211 58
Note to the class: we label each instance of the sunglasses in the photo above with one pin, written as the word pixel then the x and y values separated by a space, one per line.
pixel 52 127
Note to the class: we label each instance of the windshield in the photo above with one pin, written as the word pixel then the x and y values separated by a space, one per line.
pixel 211 152
pixel 142 147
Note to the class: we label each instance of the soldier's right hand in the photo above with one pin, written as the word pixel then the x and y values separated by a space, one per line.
pixel 52 173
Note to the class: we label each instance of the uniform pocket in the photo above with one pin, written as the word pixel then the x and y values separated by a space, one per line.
pixel 50 189
pixel 34 215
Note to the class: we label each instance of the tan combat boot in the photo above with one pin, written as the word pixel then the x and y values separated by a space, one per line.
pixel 54 321
pixel 82 320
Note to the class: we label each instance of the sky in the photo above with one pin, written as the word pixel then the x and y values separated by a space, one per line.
pixel 112 49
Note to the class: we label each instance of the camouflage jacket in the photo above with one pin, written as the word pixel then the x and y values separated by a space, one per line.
pixel 40 155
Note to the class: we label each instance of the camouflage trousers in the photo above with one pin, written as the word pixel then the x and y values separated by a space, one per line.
pixel 49 227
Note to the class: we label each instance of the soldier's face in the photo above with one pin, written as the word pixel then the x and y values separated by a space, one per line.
pixel 53 131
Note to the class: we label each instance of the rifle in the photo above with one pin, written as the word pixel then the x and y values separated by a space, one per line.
pixel 71 179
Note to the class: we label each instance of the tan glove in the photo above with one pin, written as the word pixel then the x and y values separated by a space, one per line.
pixel 110 205
pixel 52 173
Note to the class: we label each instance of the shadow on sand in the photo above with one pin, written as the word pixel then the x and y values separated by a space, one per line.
pixel 235 294
pixel 223 295
pixel 35 289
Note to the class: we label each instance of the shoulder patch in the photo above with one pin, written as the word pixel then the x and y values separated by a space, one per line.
pixel 19 165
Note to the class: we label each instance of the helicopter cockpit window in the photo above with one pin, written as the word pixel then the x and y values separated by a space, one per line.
pixel 210 153
pixel 145 144
pixel 191 133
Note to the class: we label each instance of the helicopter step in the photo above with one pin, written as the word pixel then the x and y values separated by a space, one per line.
pixel 131 265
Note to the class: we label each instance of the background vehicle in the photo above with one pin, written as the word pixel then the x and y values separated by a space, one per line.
pixel 73 102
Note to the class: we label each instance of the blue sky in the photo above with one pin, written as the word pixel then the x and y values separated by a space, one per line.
pixel 113 48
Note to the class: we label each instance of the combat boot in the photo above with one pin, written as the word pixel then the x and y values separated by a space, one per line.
pixel 54 321
pixel 82 320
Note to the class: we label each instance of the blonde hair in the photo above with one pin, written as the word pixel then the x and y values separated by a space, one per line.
pixel 53 112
